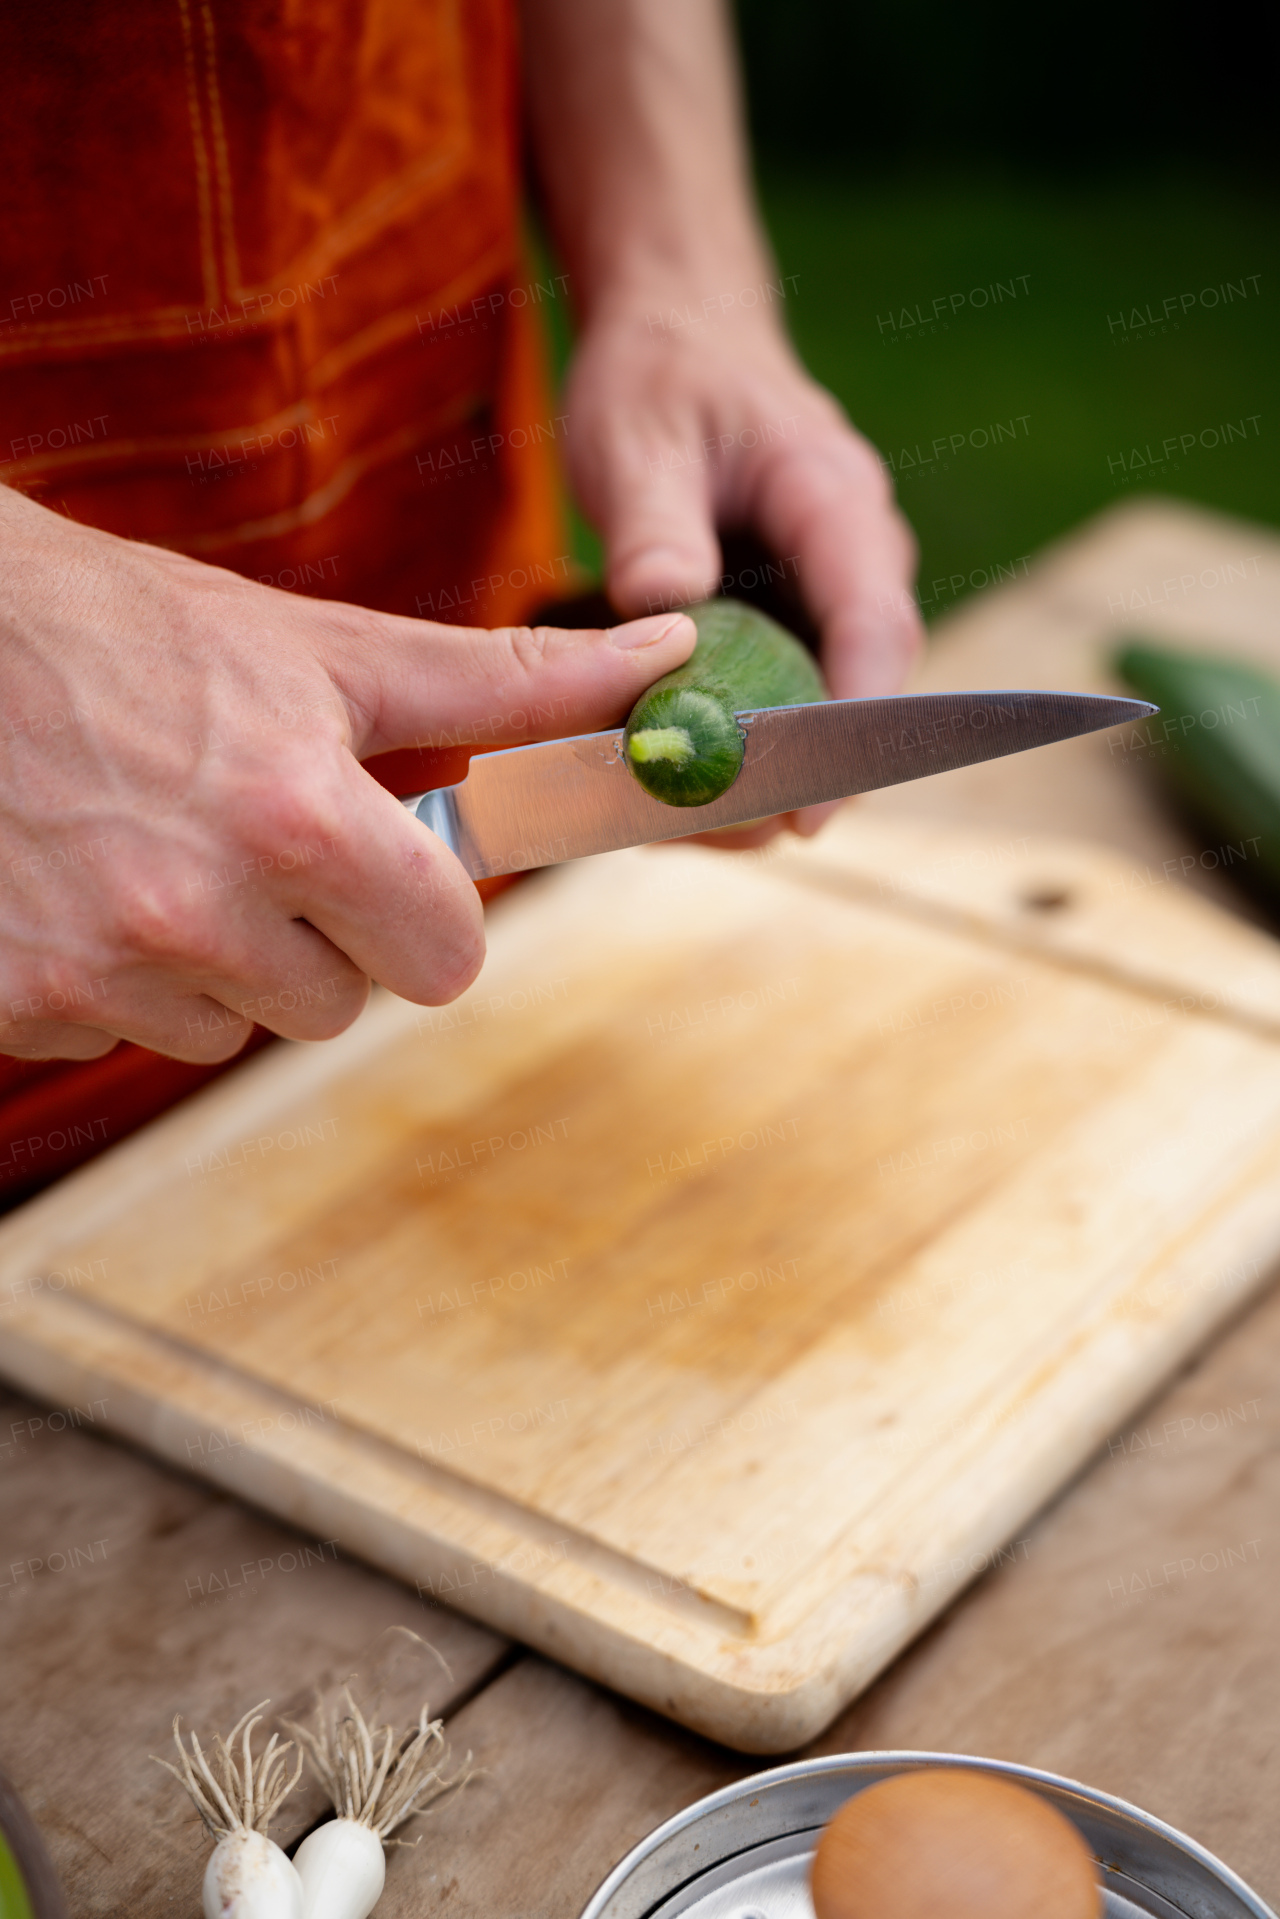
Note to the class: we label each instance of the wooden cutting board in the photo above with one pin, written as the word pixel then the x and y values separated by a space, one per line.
pixel 713 1291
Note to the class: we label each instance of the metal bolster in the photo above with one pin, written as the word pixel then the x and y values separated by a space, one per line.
pixel 438 811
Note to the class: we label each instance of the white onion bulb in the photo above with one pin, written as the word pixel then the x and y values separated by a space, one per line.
pixel 342 1868
pixel 248 1877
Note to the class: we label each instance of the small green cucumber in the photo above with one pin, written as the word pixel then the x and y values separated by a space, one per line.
pixel 1218 739
pixel 682 741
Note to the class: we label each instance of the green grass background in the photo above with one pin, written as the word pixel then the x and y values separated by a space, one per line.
pixel 863 247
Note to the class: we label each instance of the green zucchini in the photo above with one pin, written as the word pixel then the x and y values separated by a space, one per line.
pixel 682 741
pixel 1217 738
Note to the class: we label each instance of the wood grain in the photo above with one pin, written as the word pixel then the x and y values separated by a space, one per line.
pixel 1169 1700
pixel 805 1232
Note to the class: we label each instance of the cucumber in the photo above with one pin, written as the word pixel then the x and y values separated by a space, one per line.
pixel 682 741
pixel 1218 736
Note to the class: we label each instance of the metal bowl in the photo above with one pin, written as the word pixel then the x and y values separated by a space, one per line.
pixel 744 1853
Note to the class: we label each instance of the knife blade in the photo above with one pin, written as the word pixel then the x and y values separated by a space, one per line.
pixel 540 805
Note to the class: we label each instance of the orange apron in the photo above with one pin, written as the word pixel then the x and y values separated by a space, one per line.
pixel 264 301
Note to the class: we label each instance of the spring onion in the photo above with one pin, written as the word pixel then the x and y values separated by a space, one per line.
pixel 376 1780
pixel 248 1876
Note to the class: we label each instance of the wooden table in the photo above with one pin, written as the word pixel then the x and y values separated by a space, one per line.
pixel 1127 1638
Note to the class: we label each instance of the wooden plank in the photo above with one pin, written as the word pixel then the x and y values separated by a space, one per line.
pixel 574 1777
pixel 675 1412
pixel 131 1592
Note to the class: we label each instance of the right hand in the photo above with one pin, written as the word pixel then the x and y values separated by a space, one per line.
pixel 190 842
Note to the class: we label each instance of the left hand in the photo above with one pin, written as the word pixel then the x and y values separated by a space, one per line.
pixel 675 429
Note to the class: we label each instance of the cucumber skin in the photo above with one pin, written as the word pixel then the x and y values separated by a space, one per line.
pixel 742 660
pixel 1227 773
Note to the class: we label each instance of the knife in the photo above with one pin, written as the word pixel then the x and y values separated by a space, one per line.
pixel 559 800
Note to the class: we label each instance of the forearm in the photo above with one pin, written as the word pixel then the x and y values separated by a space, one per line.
pixel 636 122
pixel 702 418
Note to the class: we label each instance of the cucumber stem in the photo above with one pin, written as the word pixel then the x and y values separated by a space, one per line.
pixel 661 743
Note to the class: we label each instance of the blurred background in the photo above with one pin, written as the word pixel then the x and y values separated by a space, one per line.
pixel 1065 221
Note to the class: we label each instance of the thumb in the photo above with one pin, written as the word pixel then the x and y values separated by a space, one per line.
pixel 417 683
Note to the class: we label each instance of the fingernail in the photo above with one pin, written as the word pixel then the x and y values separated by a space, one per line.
pixel 646 632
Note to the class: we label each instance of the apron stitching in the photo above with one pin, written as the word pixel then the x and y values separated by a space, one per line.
pixel 395 326
pixel 340 359
pixel 337 241
pixel 383 333
pixel 336 488
pixel 298 414
pixel 226 202
pixel 204 205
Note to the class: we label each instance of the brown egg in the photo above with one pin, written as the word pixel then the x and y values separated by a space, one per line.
pixel 952 1844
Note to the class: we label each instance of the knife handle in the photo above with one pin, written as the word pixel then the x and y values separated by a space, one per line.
pixel 438 811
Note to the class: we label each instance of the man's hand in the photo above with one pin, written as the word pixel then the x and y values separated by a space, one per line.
pixel 190 843
pixel 687 408
pixel 675 430
pixel 682 420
